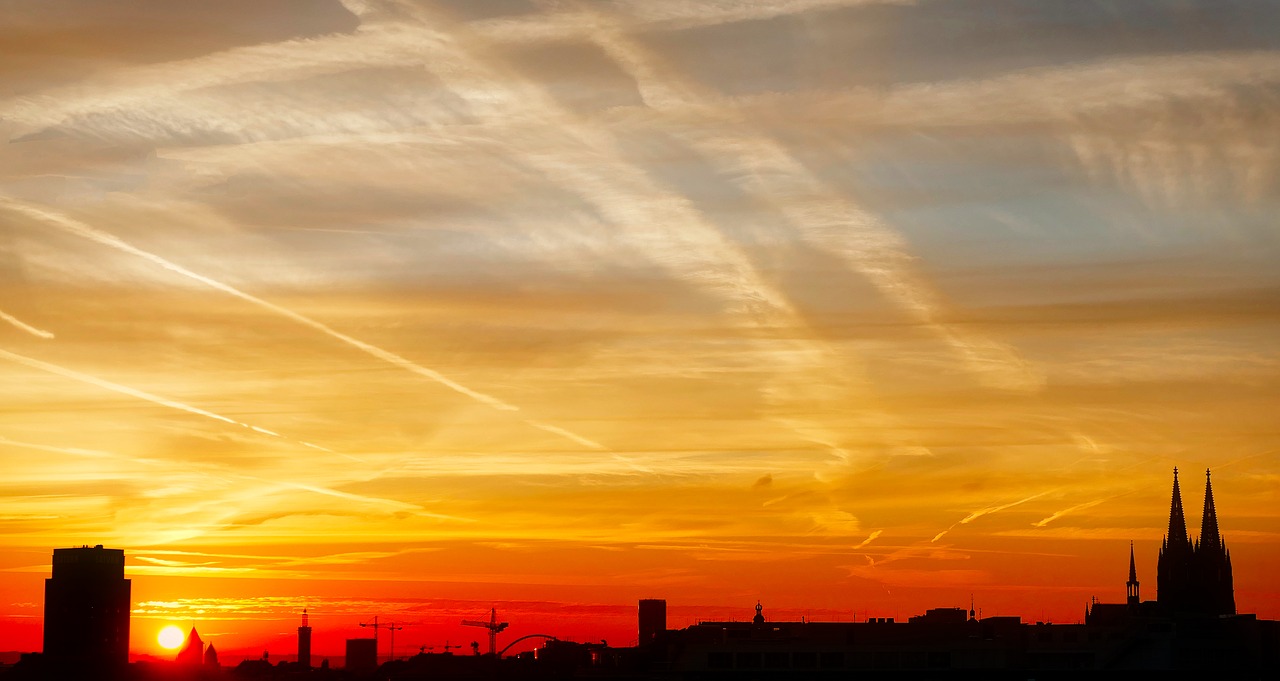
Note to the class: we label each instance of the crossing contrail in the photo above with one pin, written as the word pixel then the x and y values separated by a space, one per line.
pixel 149 397
pixel 83 230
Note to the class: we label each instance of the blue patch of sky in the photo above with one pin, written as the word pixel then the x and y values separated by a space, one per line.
pixel 880 45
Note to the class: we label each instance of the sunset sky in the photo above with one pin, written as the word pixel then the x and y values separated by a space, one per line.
pixel 415 308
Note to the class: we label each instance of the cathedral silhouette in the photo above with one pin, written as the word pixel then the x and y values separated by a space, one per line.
pixel 1192 578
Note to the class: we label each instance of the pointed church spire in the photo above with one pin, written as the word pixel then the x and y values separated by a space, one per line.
pixel 1212 562
pixel 1132 584
pixel 1209 536
pixel 1174 579
pixel 1177 521
pixel 192 652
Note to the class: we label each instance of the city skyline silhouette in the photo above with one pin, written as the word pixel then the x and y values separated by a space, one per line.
pixel 1191 624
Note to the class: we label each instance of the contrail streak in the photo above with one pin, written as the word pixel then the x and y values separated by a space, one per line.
pixel 116 387
pixel 83 230
pixel 565 433
pixel 664 15
pixel 870 539
pixel 39 333
pixel 142 395
pixel 832 223
pixel 1065 511
pixel 73 451
pixel 392 503
pixel 663 224
pixel 981 512
pixel 623 193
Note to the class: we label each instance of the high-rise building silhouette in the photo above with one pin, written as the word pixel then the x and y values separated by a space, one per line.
pixel 1194 578
pixel 86 607
pixel 653 619
pixel 304 642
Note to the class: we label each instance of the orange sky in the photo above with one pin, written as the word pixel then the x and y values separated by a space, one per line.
pixel 414 308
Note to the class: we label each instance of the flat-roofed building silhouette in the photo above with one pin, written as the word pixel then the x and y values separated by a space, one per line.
pixel 86 607
pixel 362 654
pixel 653 619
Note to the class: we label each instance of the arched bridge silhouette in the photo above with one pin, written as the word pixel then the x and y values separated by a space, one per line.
pixel 549 637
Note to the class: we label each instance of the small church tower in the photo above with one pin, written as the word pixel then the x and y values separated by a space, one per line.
pixel 1134 599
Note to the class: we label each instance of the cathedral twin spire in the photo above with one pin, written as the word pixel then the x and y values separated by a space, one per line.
pixel 1177 521
pixel 1193 578
pixel 1209 537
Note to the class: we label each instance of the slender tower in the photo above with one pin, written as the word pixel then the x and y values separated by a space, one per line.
pixel 1215 592
pixel 304 642
pixel 1174 566
pixel 1132 584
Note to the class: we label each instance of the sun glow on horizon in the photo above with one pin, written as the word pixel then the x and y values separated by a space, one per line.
pixel 171 637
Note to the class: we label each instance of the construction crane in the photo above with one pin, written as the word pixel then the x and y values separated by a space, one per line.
pixel 447 647
pixel 393 629
pixel 375 625
pixel 493 625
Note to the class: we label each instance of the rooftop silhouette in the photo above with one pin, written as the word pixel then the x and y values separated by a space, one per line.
pixel 86 608
pixel 1192 625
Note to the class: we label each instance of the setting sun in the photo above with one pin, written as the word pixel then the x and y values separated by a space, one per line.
pixel 170 637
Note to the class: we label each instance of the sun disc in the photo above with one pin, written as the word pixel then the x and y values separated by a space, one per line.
pixel 170 637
